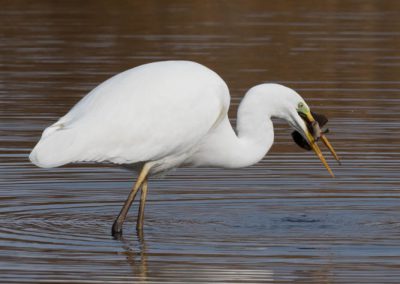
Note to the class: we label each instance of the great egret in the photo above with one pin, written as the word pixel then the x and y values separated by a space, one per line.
pixel 161 115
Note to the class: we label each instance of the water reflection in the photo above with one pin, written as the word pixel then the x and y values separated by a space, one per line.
pixel 136 256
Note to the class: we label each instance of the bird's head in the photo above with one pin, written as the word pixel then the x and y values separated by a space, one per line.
pixel 282 102
pixel 307 125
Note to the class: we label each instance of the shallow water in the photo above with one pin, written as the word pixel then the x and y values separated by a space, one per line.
pixel 282 220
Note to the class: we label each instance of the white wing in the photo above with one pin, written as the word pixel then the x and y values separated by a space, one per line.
pixel 146 113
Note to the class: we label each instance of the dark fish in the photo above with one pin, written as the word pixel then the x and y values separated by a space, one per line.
pixel 316 129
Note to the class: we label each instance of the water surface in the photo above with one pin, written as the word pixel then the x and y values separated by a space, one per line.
pixel 282 220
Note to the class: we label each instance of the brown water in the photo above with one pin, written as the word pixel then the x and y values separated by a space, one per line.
pixel 282 220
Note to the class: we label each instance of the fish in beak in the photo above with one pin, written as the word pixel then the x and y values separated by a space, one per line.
pixel 313 133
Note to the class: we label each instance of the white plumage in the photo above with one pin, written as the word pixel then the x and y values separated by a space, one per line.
pixel 134 117
pixel 165 114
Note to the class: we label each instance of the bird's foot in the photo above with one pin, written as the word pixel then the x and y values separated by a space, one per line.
pixel 116 230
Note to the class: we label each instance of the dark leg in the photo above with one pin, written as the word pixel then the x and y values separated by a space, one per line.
pixel 140 218
pixel 117 226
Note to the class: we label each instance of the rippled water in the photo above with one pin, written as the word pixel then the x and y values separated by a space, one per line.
pixel 282 220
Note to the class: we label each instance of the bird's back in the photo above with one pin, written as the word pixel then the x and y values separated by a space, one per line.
pixel 146 113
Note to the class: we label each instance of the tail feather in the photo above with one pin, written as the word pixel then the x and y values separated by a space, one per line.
pixel 55 148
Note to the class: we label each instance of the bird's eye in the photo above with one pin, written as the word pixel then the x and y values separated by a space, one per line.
pixel 300 105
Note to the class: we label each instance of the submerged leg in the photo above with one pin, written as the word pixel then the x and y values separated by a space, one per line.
pixel 140 218
pixel 117 226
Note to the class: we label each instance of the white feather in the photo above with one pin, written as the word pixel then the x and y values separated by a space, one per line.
pixel 132 117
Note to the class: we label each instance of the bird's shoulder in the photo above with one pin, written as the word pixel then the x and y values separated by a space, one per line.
pixel 152 89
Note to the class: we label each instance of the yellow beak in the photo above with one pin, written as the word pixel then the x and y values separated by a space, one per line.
pixel 315 147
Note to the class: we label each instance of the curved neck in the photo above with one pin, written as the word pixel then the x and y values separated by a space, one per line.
pixel 252 140
pixel 255 132
pixel 254 125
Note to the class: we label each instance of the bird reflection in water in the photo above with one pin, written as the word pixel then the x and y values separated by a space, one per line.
pixel 136 255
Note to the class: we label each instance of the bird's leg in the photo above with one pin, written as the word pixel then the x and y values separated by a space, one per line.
pixel 117 226
pixel 140 218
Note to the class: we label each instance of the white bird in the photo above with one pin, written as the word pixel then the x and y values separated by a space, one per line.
pixel 162 115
